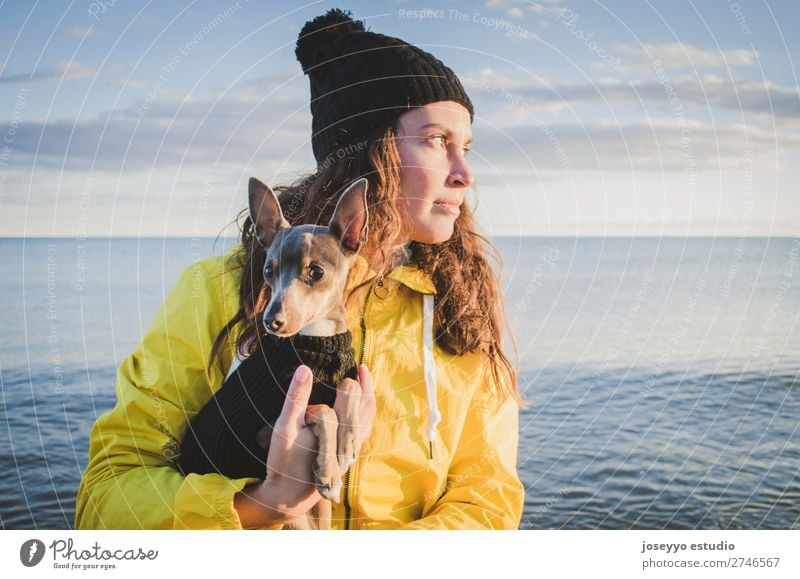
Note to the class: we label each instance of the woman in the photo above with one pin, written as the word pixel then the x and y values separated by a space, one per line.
pixel 441 453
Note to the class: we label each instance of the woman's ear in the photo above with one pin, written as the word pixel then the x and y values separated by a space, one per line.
pixel 349 221
pixel 265 212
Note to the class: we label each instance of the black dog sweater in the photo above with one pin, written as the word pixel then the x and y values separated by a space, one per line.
pixel 222 437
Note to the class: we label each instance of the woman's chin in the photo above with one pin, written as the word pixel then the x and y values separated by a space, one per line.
pixel 433 236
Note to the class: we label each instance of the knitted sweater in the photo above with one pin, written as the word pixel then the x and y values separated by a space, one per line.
pixel 222 437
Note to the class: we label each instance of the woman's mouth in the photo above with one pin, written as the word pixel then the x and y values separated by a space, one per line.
pixel 449 207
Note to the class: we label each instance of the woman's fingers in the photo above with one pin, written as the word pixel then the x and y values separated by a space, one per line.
pixel 292 451
pixel 367 407
pixel 292 417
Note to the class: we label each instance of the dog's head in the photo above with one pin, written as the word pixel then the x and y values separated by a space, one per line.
pixel 307 265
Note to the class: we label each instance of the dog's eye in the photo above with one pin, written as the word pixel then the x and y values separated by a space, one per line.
pixel 315 272
pixel 268 271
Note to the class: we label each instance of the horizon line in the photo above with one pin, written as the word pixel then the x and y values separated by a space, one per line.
pixel 530 236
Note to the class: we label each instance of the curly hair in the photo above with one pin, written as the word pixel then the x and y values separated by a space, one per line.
pixel 468 316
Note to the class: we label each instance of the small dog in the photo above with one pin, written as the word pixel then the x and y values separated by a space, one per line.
pixel 306 269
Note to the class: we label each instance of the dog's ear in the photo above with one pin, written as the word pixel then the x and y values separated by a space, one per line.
pixel 349 221
pixel 265 212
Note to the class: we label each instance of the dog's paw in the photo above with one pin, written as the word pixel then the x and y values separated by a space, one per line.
pixel 346 460
pixel 329 488
pixel 327 478
pixel 346 447
pixel 334 492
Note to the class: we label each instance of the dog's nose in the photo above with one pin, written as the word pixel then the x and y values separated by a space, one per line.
pixel 274 320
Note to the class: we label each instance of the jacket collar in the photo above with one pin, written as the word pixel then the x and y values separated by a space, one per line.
pixel 409 275
pixel 413 278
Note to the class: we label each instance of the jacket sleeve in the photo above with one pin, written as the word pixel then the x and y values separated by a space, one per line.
pixel 130 481
pixel 483 490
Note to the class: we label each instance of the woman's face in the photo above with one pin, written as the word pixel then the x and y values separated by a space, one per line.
pixel 434 177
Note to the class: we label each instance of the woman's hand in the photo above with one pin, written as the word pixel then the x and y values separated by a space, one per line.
pixel 288 490
pixel 366 407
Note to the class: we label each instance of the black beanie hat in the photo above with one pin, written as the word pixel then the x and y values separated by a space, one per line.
pixel 361 80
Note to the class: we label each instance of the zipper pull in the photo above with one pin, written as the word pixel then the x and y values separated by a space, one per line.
pixel 380 290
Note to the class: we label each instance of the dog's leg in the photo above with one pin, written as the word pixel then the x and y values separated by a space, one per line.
pixel 323 423
pixel 348 398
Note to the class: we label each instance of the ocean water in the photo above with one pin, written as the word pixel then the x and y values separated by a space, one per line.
pixel 660 375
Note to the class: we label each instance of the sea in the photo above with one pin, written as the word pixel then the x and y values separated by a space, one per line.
pixel 660 376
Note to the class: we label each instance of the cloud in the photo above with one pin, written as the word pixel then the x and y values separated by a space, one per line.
pixel 168 132
pixel 80 32
pixel 763 98
pixel 649 145
pixel 247 125
pixel 680 55
pixel 64 70
pixel 517 8
pixel 676 137
pixel 131 83
pixel 145 21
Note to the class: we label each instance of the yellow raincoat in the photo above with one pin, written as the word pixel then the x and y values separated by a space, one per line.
pixel 470 482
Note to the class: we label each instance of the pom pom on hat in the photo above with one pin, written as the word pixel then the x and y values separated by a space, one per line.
pixel 323 29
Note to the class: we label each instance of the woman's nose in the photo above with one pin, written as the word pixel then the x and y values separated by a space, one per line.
pixel 460 173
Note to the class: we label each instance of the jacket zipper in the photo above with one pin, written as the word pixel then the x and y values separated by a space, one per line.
pixel 347 476
pixel 363 324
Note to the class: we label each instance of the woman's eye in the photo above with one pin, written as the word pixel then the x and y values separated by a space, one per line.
pixel 315 272
pixel 441 138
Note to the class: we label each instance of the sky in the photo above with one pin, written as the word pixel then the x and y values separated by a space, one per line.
pixel 629 118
